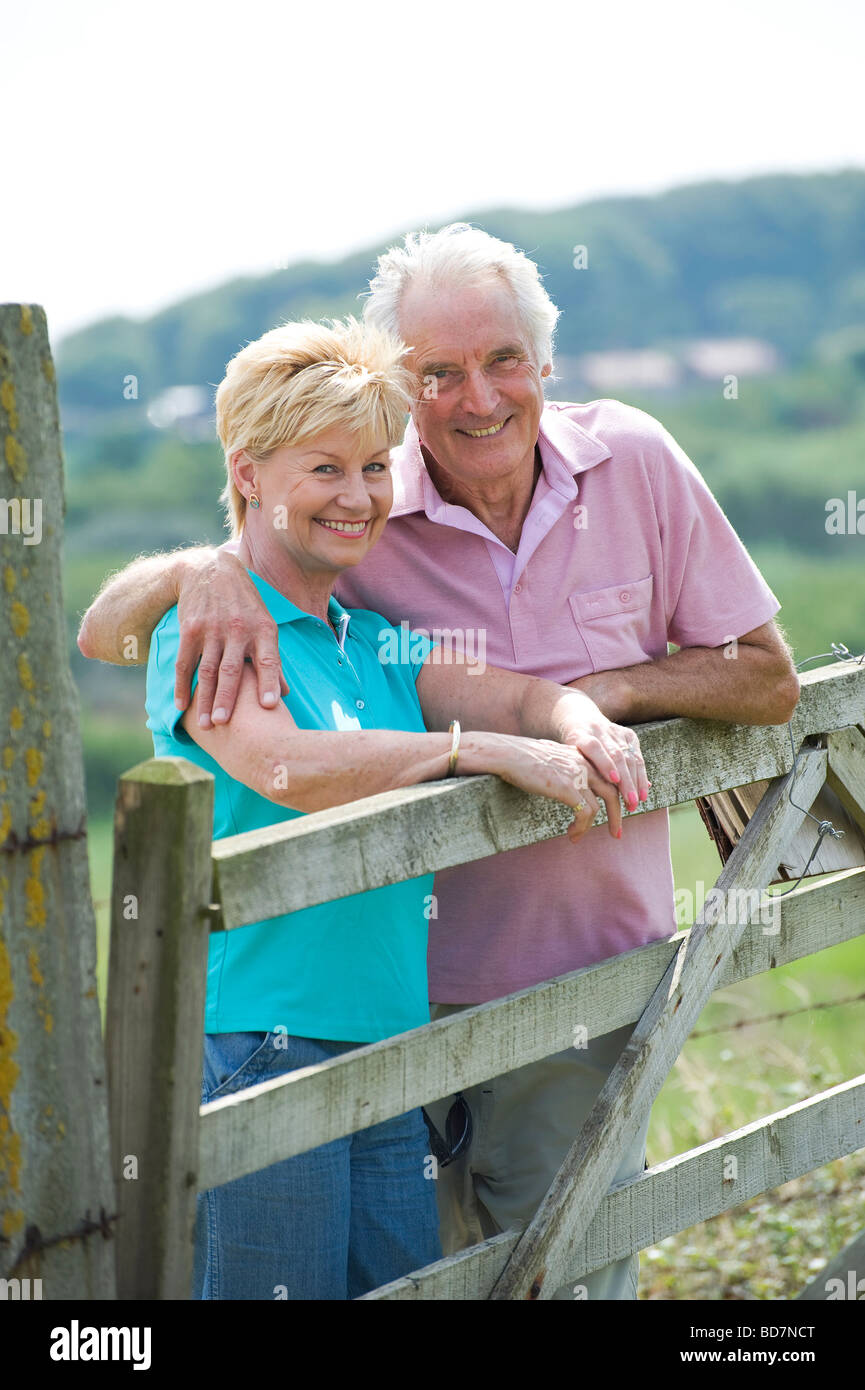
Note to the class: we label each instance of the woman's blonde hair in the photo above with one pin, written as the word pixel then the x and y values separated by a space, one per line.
pixel 300 380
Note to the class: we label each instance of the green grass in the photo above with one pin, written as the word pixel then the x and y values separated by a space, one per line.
pixel 773 1247
pixel 821 600
pixel 738 1064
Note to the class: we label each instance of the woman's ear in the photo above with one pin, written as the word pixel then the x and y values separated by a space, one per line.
pixel 243 472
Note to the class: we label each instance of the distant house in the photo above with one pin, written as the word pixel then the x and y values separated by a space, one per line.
pixel 714 358
pixel 663 369
pixel 184 410
pixel 643 368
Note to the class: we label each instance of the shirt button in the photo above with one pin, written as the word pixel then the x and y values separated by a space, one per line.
pixel 359 704
pixel 624 596
pixel 518 588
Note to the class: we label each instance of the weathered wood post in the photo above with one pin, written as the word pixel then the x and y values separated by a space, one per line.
pixel 57 1202
pixel 160 926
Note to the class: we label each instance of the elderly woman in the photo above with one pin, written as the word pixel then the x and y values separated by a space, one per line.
pixel 306 416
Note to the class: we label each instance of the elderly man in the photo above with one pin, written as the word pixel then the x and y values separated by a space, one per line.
pixel 565 541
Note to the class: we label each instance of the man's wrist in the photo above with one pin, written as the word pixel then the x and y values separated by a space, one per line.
pixel 613 693
pixel 187 563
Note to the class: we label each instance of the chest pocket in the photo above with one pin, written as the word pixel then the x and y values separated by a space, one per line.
pixel 615 623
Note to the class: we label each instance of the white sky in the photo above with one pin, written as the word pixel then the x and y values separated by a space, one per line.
pixel 156 149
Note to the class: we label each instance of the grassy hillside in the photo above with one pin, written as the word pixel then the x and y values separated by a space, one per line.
pixel 777 257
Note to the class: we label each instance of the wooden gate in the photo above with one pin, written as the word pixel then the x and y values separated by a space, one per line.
pixel 182 887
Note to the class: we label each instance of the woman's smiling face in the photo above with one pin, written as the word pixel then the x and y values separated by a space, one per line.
pixel 324 502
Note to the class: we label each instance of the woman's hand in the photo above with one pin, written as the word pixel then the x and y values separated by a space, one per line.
pixel 540 714
pixel 546 768
pixel 612 749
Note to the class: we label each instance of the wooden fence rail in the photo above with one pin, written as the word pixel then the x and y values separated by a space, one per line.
pixel 165 902
pixel 672 1196
pixel 403 834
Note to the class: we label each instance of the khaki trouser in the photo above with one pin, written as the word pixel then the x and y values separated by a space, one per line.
pixel 524 1122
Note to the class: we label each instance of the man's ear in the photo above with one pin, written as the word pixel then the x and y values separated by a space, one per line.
pixel 546 369
pixel 415 419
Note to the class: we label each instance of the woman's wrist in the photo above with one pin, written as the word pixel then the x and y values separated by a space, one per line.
pixel 481 751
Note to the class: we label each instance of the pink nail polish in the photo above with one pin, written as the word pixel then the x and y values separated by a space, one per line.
pixel 619 833
pixel 614 776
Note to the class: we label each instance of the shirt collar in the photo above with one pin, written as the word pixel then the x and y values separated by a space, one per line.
pixel 563 443
pixel 282 610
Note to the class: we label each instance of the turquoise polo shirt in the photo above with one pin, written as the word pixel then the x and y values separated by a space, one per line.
pixel 353 970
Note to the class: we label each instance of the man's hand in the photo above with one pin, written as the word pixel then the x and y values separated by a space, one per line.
pixel 223 622
pixel 120 621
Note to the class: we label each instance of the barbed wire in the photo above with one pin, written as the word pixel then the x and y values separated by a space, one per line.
pixel 774 1018
pixel 824 827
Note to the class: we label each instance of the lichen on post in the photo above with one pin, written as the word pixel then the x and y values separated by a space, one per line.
pixel 57 1200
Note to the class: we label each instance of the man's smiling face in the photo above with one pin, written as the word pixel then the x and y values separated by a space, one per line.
pixel 480 393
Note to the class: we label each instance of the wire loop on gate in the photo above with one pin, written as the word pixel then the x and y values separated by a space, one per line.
pixel 824 827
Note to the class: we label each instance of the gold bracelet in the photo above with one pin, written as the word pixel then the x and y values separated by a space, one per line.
pixel 455 747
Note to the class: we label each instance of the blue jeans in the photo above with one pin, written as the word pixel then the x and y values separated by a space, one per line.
pixel 331 1223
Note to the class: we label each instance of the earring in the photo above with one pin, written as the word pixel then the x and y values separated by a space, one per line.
pixel 254 500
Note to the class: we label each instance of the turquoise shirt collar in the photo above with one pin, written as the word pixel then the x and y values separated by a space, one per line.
pixel 282 610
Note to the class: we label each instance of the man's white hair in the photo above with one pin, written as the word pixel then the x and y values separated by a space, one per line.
pixel 458 256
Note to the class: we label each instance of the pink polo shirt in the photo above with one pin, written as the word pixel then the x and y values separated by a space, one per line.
pixel 623 548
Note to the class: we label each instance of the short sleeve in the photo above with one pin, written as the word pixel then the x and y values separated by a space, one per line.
pixel 163 716
pixel 420 646
pixel 713 591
